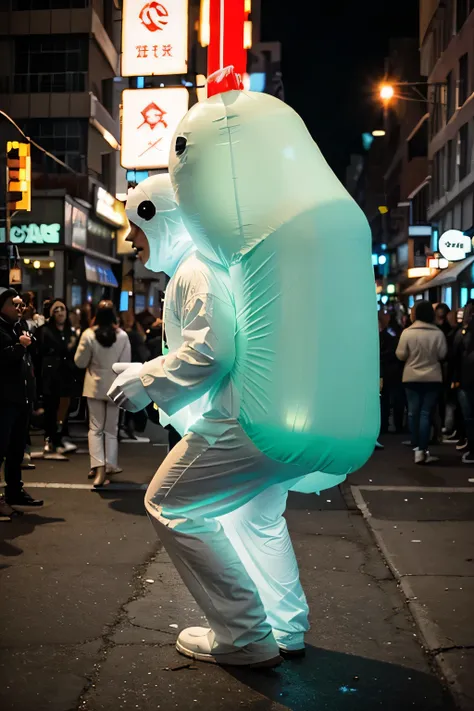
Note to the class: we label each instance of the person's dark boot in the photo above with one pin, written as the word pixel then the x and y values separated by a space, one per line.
pixel 22 498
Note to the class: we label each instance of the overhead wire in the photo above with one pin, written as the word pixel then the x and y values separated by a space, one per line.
pixel 37 145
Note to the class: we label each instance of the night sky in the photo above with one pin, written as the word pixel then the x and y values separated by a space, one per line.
pixel 333 52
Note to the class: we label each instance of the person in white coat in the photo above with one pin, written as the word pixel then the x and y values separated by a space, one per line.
pixel 99 348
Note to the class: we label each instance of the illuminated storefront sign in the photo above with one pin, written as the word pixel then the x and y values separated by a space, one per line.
pixel 149 119
pixel 79 228
pixel 154 37
pixel 454 245
pixel 35 234
pixel 109 208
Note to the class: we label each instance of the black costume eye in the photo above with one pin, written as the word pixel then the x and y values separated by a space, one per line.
pixel 146 210
pixel 180 146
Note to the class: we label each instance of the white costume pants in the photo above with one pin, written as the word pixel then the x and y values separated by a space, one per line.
pixel 103 431
pixel 195 486
pixel 260 537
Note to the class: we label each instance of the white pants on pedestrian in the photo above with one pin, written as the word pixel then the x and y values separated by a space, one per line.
pixel 103 430
pixel 196 485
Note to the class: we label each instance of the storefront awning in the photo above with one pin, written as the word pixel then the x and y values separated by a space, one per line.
pixel 450 275
pixel 98 272
pixel 418 286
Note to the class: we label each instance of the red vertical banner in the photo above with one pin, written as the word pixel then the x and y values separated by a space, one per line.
pixel 226 43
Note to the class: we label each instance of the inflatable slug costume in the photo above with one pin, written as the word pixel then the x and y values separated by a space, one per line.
pixel 289 395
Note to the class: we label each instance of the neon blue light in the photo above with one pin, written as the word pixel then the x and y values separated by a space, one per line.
pixel 136 176
pixel 383 247
pixel 434 239
pixel 367 140
pixel 375 260
pixel 124 301
pixel 464 296
pixel 258 81
pixel 140 82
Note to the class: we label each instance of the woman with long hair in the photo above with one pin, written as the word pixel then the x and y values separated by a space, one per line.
pixel 422 347
pixel 59 377
pixel 102 345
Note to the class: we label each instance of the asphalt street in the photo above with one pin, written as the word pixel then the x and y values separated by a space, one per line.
pixel 91 606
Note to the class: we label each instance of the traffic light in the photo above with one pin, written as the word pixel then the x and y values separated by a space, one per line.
pixel 18 176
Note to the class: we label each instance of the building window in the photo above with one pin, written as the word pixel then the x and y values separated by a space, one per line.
pixel 52 63
pixel 447 24
pixel 451 159
pixel 450 95
pixel 463 79
pixel 461 13
pixel 464 158
pixel 418 144
pixel 447 295
pixel 438 182
pixel 49 4
pixel 419 206
pixel 64 138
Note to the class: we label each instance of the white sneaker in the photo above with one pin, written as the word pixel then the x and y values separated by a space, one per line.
pixel 199 643
pixel 57 456
pixel 419 456
pixel 430 458
pixel 67 447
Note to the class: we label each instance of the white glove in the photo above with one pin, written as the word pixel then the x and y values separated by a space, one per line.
pixel 127 390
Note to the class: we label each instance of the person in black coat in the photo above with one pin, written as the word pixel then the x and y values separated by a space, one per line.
pixel 392 396
pixel 60 378
pixel 24 326
pixel 14 403
pixel 463 377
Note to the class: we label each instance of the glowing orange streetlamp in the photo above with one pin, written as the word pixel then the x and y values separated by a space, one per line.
pixel 386 92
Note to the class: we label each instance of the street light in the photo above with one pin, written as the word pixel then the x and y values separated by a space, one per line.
pixel 386 92
pixel 378 133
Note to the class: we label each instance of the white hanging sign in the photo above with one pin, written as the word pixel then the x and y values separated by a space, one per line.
pixel 154 37
pixel 150 118
pixel 454 245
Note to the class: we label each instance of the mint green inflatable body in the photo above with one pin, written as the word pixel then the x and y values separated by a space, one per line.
pixel 257 196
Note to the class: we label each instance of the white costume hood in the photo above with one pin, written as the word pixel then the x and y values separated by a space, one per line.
pixel 152 207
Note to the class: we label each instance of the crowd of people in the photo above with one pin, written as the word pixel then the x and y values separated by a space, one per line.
pixel 427 378
pixel 49 361
pixel 52 359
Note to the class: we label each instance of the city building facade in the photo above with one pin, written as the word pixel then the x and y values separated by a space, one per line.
pixel 58 63
pixel 447 62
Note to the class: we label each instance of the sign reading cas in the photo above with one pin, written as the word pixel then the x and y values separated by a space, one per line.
pixel 35 234
pixel 454 245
